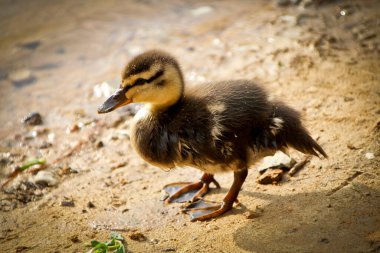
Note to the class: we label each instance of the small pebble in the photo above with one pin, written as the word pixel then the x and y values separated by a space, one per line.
pixel 45 178
pixel 68 203
pixel 21 77
pixel 99 144
pixel 169 250
pixel 51 137
pixel 20 249
pixel 73 128
pixel 271 177
pixel 351 146
pixel 255 214
pixel 90 205
pixel 32 119
pixel 202 10
pixel 123 181
pixel 348 99
pixel 154 241
pixel 66 170
pixel 137 236
pixel 31 45
pixel 45 145
pixel 74 239
pixel 369 156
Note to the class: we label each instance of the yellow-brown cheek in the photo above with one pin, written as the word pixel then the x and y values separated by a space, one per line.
pixel 129 93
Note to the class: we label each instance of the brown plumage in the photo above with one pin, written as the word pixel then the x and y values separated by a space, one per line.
pixel 215 127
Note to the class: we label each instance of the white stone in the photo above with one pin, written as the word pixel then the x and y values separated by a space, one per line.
pixel 201 10
pixel 45 177
pixel 369 155
pixel 279 159
pixel 20 75
pixel 51 137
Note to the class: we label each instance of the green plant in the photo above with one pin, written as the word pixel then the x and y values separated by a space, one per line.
pixel 116 245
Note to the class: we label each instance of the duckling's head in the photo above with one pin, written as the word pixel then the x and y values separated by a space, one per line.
pixel 153 77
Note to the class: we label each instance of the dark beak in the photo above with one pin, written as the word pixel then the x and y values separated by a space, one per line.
pixel 116 100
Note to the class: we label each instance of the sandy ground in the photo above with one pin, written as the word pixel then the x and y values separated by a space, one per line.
pixel 321 59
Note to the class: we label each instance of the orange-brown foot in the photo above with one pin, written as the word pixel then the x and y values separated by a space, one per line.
pixel 190 192
pixel 203 210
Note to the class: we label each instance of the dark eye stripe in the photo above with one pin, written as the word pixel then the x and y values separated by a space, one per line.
pixel 141 81
pixel 157 75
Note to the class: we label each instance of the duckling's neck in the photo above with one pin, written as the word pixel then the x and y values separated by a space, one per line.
pixel 170 93
pixel 165 104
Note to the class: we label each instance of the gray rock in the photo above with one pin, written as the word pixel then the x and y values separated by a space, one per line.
pixel 32 119
pixel 21 77
pixel 31 45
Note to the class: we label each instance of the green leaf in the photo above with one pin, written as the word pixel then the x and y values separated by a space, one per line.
pixel 114 245
pixel 94 243
pixel 111 243
pixel 121 249
pixel 32 162
pixel 101 248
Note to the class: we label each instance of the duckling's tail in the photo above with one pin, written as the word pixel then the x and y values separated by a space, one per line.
pixel 290 131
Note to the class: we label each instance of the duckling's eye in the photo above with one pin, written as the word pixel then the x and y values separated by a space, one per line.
pixel 140 81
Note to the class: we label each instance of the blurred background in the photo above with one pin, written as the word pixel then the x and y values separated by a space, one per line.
pixel 61 59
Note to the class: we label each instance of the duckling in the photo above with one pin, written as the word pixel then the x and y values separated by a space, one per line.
pixel 216 127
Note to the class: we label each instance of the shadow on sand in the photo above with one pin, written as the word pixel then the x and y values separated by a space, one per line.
pixel 315 222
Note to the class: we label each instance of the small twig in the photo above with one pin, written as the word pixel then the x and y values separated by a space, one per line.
pixel 11 176
pixel 109 228
pixel 298 166
pixel 35 170
pixel 70 152
pixel 119 165
pixel 24 167
pixel 345 183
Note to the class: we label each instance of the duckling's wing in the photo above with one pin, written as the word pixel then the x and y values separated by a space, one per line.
pixel 241 114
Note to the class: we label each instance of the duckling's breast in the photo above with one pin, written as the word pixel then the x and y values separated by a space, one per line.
pixel 180 138
pixel 152 141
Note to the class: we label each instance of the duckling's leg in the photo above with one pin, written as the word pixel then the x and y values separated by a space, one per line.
pixel 185 192
pixel 202 210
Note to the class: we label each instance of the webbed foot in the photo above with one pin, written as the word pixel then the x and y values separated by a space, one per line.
pixel 190 192
pixel 203 210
